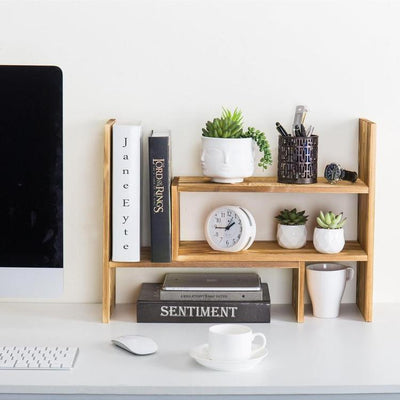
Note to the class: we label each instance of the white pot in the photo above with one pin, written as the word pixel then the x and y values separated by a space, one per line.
pixel 291 236
pixel 328 240
pixel 227 160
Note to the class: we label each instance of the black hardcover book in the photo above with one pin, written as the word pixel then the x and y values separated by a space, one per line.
pixel 151 309
pixel 160 213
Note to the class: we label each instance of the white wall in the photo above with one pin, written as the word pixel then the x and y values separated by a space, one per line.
pixel 175 63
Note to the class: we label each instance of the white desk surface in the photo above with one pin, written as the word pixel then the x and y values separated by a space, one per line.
pixel 342 355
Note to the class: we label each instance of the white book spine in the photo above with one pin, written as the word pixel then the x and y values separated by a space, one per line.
pixel 126 172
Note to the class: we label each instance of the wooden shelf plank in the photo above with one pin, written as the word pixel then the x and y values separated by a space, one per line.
pixel 268 251
pixel 260 254
pixel 145 262
pixel 267 185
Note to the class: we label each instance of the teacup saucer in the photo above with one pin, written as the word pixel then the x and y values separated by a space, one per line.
pixel 201 355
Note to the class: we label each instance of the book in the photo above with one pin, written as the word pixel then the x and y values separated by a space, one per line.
pixel 126 176
pixel 224 281
pixel 150 308
pixel 210 295
pixel 159 185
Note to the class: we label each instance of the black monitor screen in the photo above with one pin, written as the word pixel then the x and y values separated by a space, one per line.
pixel 31 186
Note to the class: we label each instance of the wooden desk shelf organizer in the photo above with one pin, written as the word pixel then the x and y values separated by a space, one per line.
pixel 262 253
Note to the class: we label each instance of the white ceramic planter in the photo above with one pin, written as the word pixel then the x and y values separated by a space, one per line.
pixel 328 240
pixel 227 160
pixel 291 236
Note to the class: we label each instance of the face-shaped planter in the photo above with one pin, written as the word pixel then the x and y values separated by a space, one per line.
pixel 227 160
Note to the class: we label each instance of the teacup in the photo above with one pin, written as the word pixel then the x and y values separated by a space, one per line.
pixel 233 342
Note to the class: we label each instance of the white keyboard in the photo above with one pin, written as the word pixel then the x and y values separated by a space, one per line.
pixel 37 357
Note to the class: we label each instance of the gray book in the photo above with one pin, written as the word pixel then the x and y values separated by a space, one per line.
pixel 211 295
pixel 233 282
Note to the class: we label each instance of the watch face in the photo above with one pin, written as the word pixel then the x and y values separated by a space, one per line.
pixel 332 172
pixel 224 228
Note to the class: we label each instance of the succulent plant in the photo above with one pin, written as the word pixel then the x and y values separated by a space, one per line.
pixel 330 221
pixel 230 126
pixel 292 217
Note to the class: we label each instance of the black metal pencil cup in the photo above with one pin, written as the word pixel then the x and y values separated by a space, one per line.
pixel 298 159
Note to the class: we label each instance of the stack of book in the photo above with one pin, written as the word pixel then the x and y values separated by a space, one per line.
pixel 205 297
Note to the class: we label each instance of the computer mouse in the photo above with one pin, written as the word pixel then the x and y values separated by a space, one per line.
pixel 136 344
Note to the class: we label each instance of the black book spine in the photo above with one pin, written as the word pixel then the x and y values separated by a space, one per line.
pixel 156 310
pixel 160 219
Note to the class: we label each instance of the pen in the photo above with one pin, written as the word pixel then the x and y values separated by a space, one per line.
pixel 297 131
pixel 299 116
pixel 281 129
pixel 303 130
pixel 310 130
pixel 303 117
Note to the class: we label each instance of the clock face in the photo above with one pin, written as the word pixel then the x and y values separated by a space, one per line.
pixel 225 228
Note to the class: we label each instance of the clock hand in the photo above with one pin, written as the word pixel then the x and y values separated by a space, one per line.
pixel 229 226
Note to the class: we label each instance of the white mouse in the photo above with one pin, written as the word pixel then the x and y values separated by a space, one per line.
pixel 136 344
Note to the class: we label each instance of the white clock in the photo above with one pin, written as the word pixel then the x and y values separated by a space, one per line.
pixel 230 228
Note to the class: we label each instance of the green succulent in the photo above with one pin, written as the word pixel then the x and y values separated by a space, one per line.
pixel 330 221
pixel 292 217
pixel 230 125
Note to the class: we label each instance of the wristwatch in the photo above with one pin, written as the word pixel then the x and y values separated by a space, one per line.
pixel 335 173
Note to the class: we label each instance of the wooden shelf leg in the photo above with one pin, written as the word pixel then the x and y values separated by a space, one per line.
pixel 364 289
pixel 106 298
pixel 108 273
pixel 108 293
pixel 298 281
pixel 366 213
pixel 175 218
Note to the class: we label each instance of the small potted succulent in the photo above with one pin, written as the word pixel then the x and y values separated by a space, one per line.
pixel 291 232
pixel 329 234
pixel 228 149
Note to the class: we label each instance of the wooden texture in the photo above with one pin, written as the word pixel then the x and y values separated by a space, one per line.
pixel 262 253
pixel 108 274
pixel 298 282
pixel 366 216
pixel 175 217
pixel 212 262
pixel 267 185
pixel 267 251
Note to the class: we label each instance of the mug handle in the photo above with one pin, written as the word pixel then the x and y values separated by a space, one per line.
pixel 263 345
pixel 349 273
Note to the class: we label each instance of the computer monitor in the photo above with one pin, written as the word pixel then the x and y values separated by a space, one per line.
pixel 31 181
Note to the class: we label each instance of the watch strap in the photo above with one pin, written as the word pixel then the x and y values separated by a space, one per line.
pixel 349 175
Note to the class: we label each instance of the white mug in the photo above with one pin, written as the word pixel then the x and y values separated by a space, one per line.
pixel 326 284
pixel 233 342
